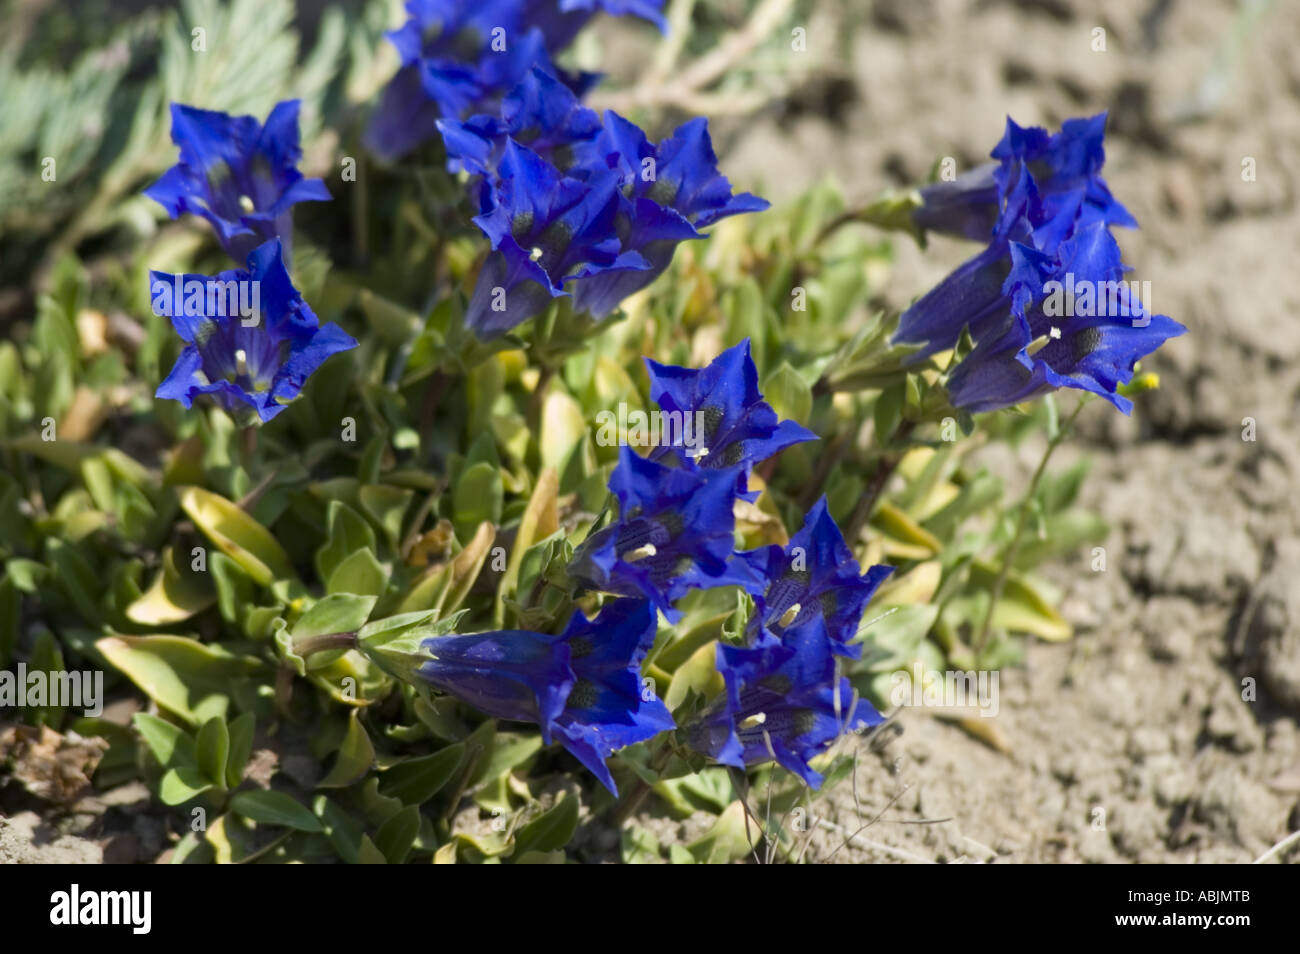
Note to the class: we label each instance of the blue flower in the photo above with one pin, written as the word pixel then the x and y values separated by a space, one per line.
pixel 966 206
pixel 1064 166
pixel 582 687
pixel 610 706
pixel 541 113
pixel 668 193
pixel 460 57
pixel 1073 323
pixel 1042 190
pixel 508 674
pixel 814 577
pixel 972 296
pixel 675 532
pixel 238 174
pixel 576 206
pixel 546 229
pixel 730 424
pixel 251 341
pixel 979 202
pixel 782 702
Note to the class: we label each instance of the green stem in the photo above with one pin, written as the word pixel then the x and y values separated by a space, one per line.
pixel 324 642
pixel 879 477
pixel 248 448
pixel 1022 521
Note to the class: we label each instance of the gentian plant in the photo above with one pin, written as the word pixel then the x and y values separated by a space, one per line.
pixel 554 481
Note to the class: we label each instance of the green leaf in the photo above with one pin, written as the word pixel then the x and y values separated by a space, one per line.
pixel 387 507
pixel 540 858
pixel 176 594
pixel 444 588
pixel 348 532
pixel 888 411
pixel 415 781
pixel 391 323
pixel 238 535
pixel 477 498
pixel 369 854
pixel 356 755
pixel 169 743
pixel 726 841
pixel 396 836
pixel 563 428
pixel 187 678
pixel 510 750
pixel 1022 609
pixel 241 731
pixel 274 808
pixel 892 640
pixel 788 393
pixel 180 784
pixel 212 749
pixel 360 573
pixel 551 830
pixel 540 519
pixel 639 846
pixel 336 613
pixel 77 578
pixel 340 828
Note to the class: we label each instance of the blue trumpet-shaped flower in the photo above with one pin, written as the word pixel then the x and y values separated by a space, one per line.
pixel 814 577
pixel 541 113
pixel 508 674
pixel 610 706
pixel 972 296
pixel 251 341
pixel 1073 323
pixel 1043 189
pixel 675 532
pixel 459 57
pixel 546 229
pixel 980 201
pixel 782 703
pixel 239 174
pixel 729 423
pixel 668 193
pixel 582 687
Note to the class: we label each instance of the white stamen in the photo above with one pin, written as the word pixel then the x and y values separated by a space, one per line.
pixel 789 615
pixel 1055 333
pixel 640 553
pixel 246 203
pixel 535 254
pixel 1037 345
pixel 241 362
pixel 754 721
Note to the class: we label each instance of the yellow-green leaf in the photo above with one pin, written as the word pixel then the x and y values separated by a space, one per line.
pixel 176 594
pixel 185 677
pixel 238 535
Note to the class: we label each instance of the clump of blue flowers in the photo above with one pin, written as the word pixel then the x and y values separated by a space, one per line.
pixel 1045 213
pixel 597 213
pixel 675 533
pixel 460 58
pixel 478 554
